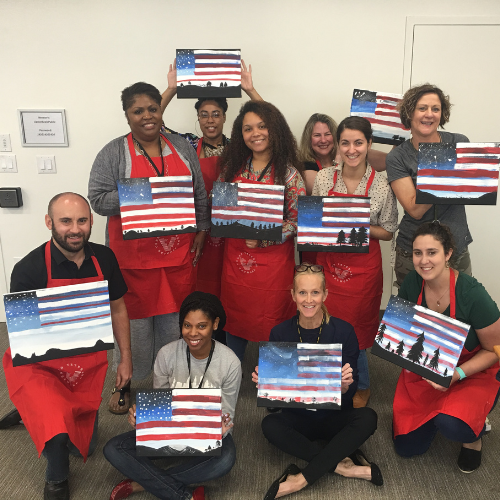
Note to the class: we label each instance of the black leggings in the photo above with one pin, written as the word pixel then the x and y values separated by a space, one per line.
pixel 296 433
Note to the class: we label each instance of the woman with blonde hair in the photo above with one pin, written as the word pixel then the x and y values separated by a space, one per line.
pixel 296 431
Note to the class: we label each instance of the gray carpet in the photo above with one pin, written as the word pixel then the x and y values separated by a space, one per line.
pixel 432 476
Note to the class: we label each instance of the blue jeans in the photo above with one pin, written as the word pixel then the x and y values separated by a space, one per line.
pixel 57 451
pixel 417 442
pixel 169 484
pixel 363 373
pixel 237 345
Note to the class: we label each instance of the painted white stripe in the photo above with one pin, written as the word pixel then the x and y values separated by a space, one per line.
pixel 222 60
pixel 343 200
pixel 215 52
pixel 321 358
pixel 329 369
pixel 83 287
pixel 259 205
pixel 157 212
pixel 207 418
pixel 455 181
pixel 74 313
pixel 174 189
pixel 353 220
pixel 267 187
pixel 439 340
pixel 327 230
pixel 438 327
pixel 316 239
pixel 270 196
pixel 476 166
pixel 285 395
pixel 453 321
pixel 465 145
pixel 346 209
pixel 190 405
pixel 196 392
pixel 173 178
pixel 492 156
pixel 173 201
pixel 177 430
pixel 300 381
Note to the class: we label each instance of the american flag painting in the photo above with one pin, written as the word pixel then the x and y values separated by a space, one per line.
pixel 420 340
pixel 156 206
pixel 179 422
pixel 334 224
pixel 463 173
pixel 297 375
pixel 54 323
pixel 379 108
pixel 248 211
pixel 208 73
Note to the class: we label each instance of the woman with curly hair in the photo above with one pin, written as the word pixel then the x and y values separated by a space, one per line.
pixel 256 274
pixel 423 110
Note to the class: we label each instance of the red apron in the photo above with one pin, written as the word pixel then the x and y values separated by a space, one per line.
pixel 311 256
pixel 255 285
pixel 470 400
pixel 355 283
pixel 210 263
pixel 159 271
pixel 61 395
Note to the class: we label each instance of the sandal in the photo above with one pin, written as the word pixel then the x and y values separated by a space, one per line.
pixel 123 402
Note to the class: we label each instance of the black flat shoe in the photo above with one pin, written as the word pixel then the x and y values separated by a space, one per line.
pixel 291 470
pixel 359 459
pixel 469 460
pixel 12 418
pixel 59 491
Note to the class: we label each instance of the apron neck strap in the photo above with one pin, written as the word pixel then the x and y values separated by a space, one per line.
pixel 319 164
pixel 452 294
pixel 188 354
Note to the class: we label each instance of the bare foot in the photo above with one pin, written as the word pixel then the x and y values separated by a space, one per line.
pixel 476 445
pixel 347 468
pixel 291 485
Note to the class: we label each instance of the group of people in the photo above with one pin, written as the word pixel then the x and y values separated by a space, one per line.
pixel 232 291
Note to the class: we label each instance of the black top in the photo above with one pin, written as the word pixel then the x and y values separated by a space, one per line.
pixel 311 165
pixel 30 272
pixel 336 331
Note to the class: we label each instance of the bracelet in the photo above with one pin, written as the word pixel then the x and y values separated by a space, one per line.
pixel 460 372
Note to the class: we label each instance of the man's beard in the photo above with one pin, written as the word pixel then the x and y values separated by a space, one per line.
pixel 63 243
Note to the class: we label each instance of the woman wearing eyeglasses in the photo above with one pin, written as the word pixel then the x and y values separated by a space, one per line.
pixel 211 118
pixel 297 431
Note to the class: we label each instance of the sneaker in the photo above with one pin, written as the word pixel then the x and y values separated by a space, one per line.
pixel 469 460
pixel 487 425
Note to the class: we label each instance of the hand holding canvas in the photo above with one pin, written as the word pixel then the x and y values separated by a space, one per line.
pixel 246 77
pixel 131 416
pixel 226 423
pixel 255 376
pixel 252 243
pixel 454 378
pixel 347 379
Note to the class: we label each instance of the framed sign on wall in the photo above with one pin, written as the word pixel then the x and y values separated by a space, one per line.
pixel 43 128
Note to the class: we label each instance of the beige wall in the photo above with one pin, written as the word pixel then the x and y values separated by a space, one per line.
pixel 307 57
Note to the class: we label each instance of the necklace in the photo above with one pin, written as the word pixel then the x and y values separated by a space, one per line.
pixel 150 161
pixel 320 328
pixel 438 300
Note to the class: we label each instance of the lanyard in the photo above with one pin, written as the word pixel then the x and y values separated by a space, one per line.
pixel 144 153
pixel 452 294
pixel 188 354
pixel 320 328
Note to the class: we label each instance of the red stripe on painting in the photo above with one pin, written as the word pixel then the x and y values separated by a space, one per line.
pixel 185 423
pixel 479 151
pixel 382 122
pixel 164 217
pixel 242 197
pixel 75 319
pixel 166 184
pixel 172 437
pixel 346 224
pixel 197 399
pixel 346 214
pixel 162 224
pixel 318 352
pixel 212 79
pixel 49 298
pixel 257 190
pixel 318 375
pixel 257 218
pixel 319 234
pixel 298 388
pixel 217 56
pixel 387 98
pixel 453 328
pixel 458 189
pixel 477 160
pixel 196 411
pixel 256 210
pixel 387 113
pixel 463 174
pixel 319 363
pixel 331 204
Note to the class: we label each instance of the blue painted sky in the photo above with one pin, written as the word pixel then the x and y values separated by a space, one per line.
pixel 310 211
pixel 185 62
pixel 134 191
pixel 154 405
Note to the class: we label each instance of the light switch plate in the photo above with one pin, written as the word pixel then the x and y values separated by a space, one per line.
pixel 5 143
pixel 8 164
pixel 46 164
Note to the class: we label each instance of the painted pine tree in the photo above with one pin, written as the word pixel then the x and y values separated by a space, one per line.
pixel 425 360
pixel 353 236
pixel 434 362
pixel 416 350
pixel 341 237
pixel 362 236
pixel 400 348
pixel 388 346
pixel 445 374
pixel 381 331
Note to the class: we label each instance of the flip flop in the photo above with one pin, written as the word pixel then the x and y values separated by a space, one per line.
pixel 123 402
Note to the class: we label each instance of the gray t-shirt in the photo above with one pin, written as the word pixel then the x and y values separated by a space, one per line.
pixel 403 162
pixel 224 372
pixel 113 162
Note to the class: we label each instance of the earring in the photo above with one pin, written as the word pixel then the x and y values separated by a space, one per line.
pixel 447 264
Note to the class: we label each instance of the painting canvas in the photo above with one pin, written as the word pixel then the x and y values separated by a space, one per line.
pixel 54 323
pixel 420 340
pixel 334 224
pixel 208 73
pixel 379 108
pixel 248 211
pixel 463 173
pixel 175 422
pixel 156 206
pixel 296 375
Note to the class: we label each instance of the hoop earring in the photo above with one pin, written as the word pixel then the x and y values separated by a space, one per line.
pixel 447 265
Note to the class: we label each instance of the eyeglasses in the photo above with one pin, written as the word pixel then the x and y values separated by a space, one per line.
pixel 204 115
pixel 302 268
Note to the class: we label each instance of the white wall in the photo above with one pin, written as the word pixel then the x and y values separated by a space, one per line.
pixel 307 57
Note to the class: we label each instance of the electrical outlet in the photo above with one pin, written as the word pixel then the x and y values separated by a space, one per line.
pixel 5 143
